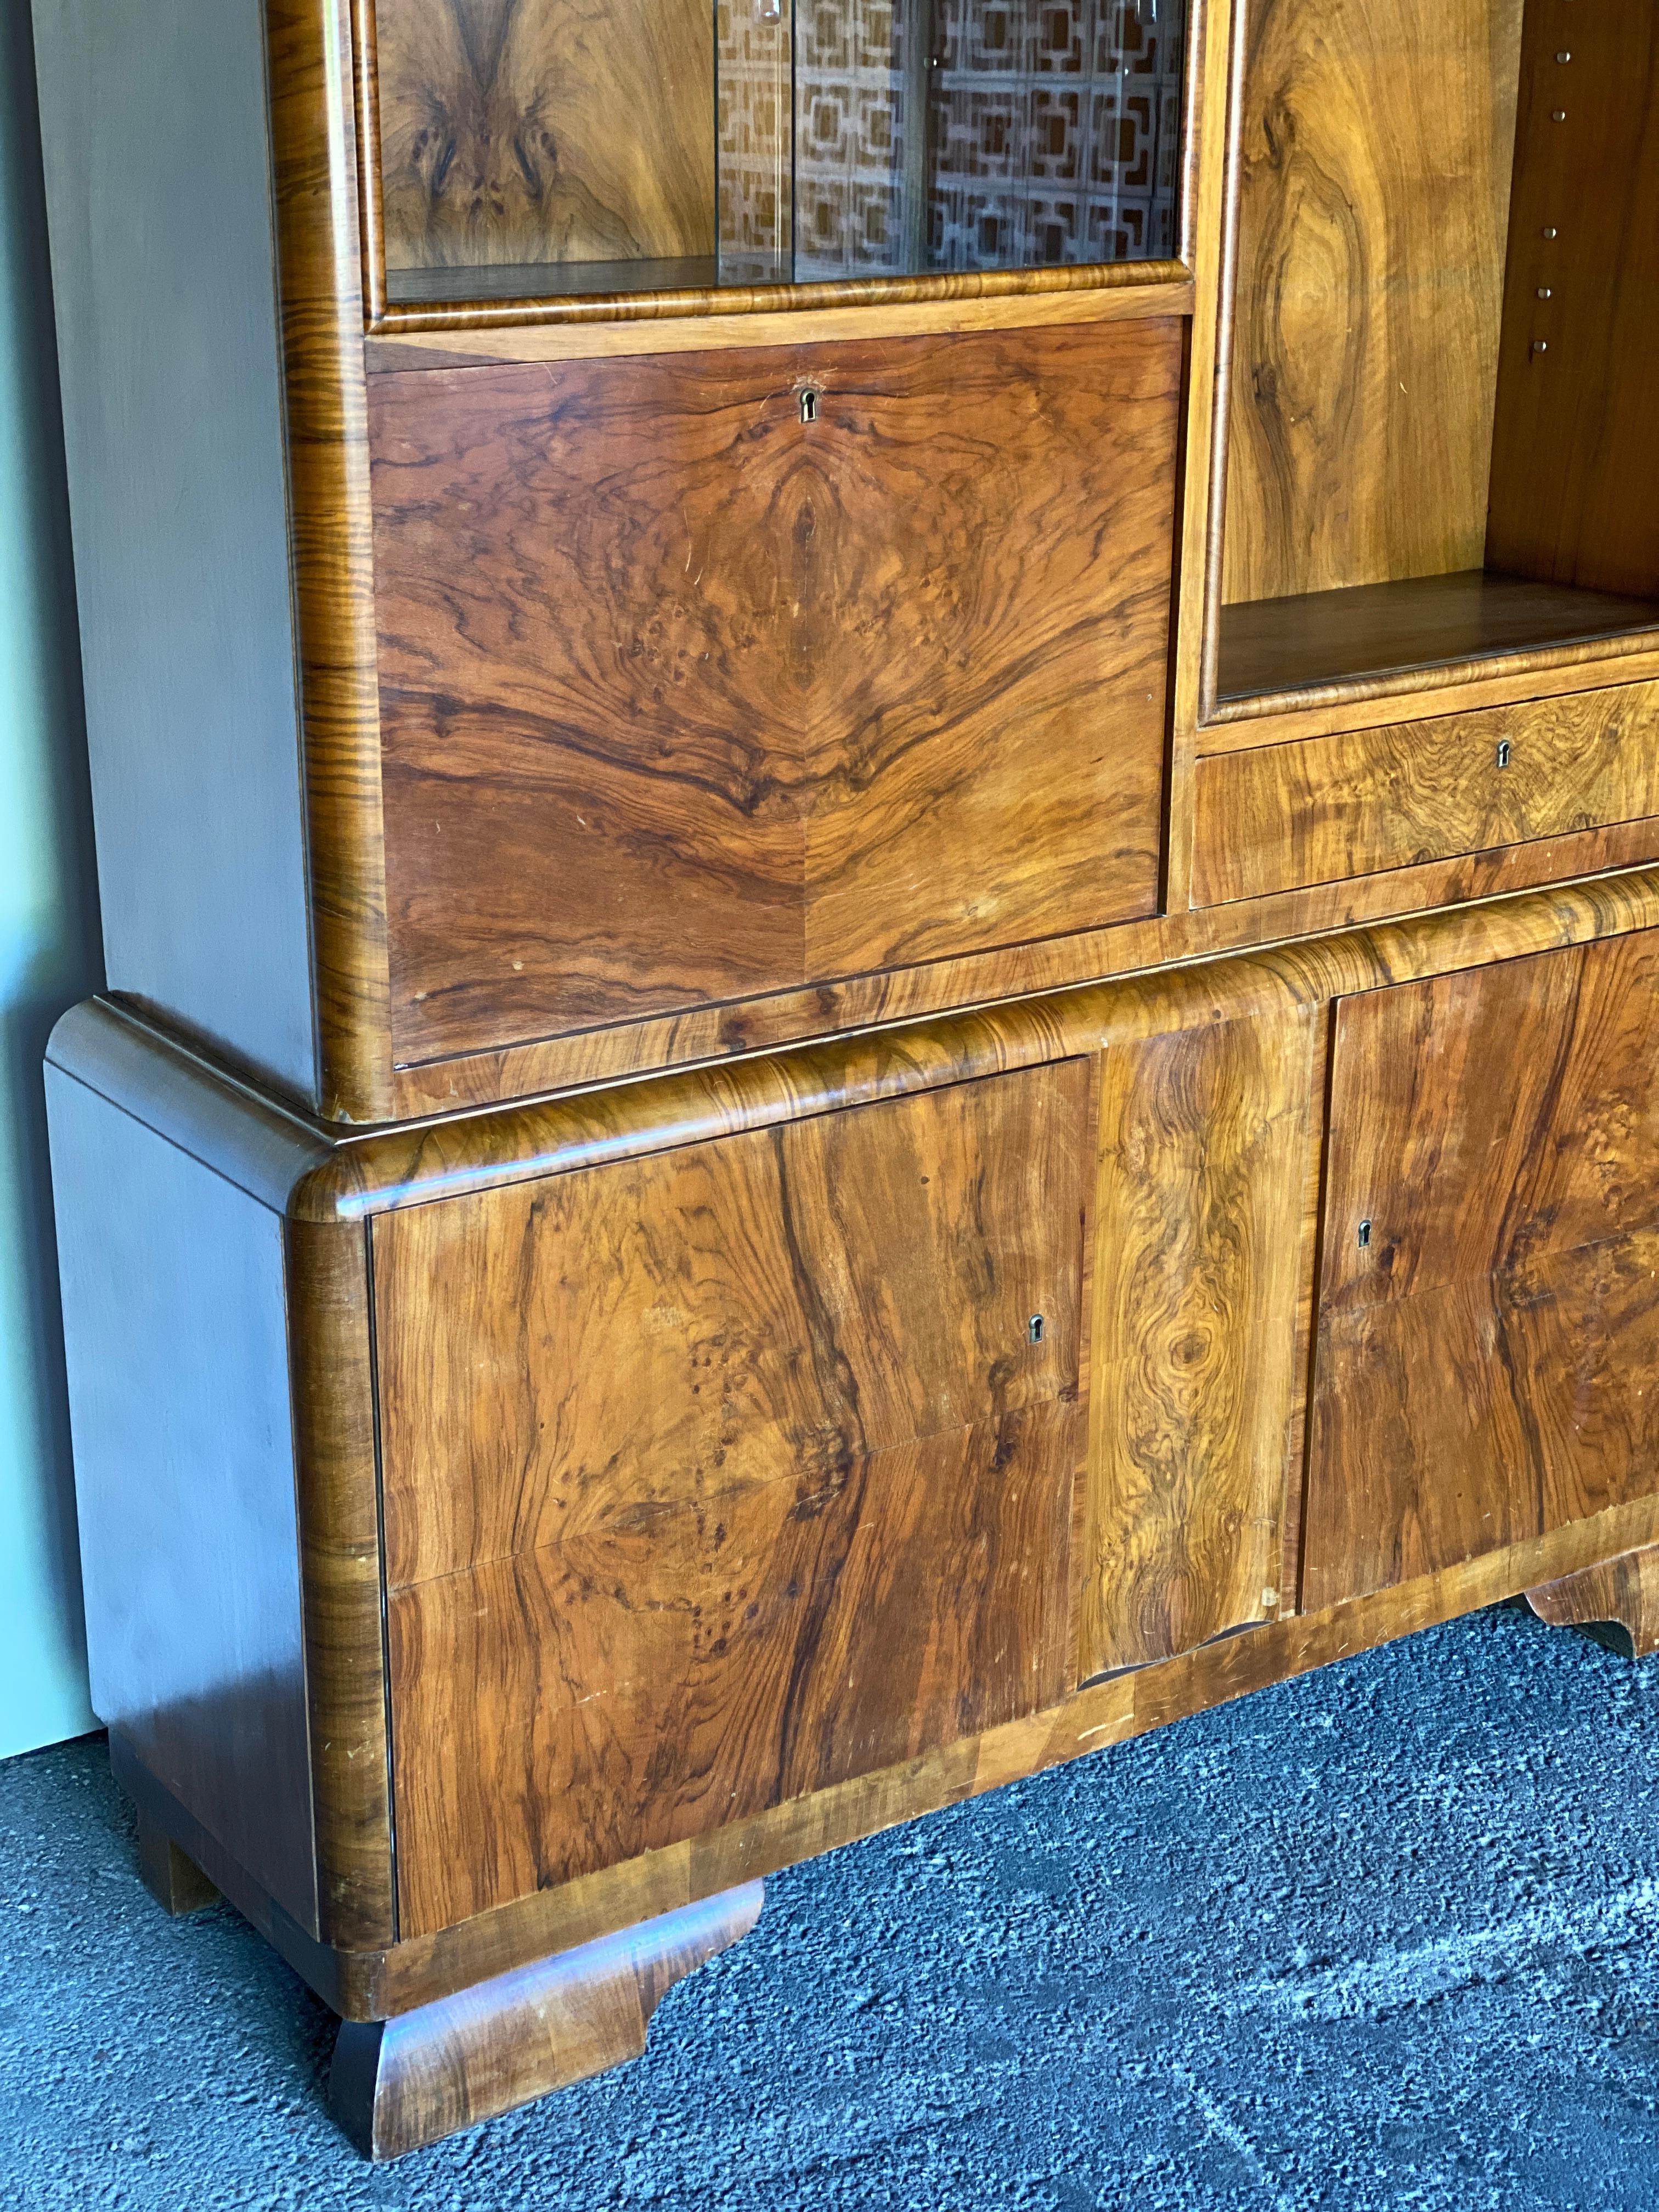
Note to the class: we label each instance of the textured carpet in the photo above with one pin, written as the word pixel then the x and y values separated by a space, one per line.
pixel 1384 1936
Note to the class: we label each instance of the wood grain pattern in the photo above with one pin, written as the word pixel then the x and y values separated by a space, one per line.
pixel 320 297
pixel 326 1268
pixel 819 1522
pixel 685 700
pixel 1375 160
pixel 1204 1138
pixel 1485 1352
pixel 1152 296
pixel 368 1985
pixel 1617 1602
pixel 516 131
pixel 398 2085
pixel 1282 815
pixel 1575 472
pixel 775 1305
pixel 1326 640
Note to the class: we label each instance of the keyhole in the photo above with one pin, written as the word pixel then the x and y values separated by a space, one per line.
pixel 809 406
pixel 1503 752
pixel 1034 1328
pixel 1365 1234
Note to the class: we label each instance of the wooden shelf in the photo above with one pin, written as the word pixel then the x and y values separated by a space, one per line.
pixel 1373 630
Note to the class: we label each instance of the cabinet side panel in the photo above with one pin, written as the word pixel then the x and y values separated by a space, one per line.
pixel 154 125
pixel 175 1335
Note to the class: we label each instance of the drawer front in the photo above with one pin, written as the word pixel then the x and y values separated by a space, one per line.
pixel 718 1477
pixel 686 698
pixel 1488 1323
pixel 1279 818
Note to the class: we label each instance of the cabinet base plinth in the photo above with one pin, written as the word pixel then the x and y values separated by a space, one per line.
pixel 1616 1603
pixel 176 1883
pixel 400 2084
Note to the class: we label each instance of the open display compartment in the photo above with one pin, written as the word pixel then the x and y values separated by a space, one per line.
pixel 1440 440
pixel 585 148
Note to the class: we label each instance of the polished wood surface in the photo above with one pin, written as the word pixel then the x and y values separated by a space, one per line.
pixel 399 2084
pixel 1326 639
pixel 326 1269
pixel 771 1307
pixel 496 345
pixel 818 1521
pixel 686 699
pixel 1327 808
pixel 314 156
pixel 1576 449
pixel 368 1985
pixel 1488 1319
pixel 1204 1136
pixel 176 1883
pixel 544 131
pixel 1375 152
pixel 1617 1602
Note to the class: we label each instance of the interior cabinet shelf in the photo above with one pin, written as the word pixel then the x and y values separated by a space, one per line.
pixel 1365 631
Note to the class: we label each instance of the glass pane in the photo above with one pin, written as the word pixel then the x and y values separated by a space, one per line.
pixel 536 148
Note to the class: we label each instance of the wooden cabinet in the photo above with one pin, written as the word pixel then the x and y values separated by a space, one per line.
pixel 1487 1310
pixel 879 905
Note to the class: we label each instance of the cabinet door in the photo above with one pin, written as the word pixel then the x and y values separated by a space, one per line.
pixel 715 1478
pixel 686 697
pixel 1489 1306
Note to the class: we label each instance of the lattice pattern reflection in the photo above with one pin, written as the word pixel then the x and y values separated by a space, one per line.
pixel 1052 134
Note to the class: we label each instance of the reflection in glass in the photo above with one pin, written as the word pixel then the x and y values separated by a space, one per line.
pixel 545 147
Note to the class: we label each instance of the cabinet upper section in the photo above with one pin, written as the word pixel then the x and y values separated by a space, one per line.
pixel 540 149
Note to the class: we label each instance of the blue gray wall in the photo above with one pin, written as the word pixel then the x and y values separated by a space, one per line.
pixel 48 942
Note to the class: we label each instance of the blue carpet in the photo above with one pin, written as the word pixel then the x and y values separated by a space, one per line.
pixel 1383 1936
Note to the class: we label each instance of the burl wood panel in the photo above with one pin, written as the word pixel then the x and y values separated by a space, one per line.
pixel 1374 158
pixel 1485 1353
pixel 1323 809
pixel 1617 1602
pixel 1204 1139
pixel 685 699
pixel 815 1518
pixel 536 130
pixel 1575 477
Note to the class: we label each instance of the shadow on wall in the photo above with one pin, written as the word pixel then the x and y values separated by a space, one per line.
pixel 50 951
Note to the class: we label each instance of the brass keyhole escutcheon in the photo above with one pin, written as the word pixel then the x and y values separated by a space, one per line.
pixel 1505 751
pixel 1034 1328
pixel 809 405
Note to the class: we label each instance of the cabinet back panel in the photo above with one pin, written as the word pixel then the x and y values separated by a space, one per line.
pixel 1374 158
pixel 737 1474
pixel 1575 487
pixel 1486 1354
pixel 686 698
pixel 521 132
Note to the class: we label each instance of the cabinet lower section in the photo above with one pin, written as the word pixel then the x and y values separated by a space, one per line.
pixel 503 1532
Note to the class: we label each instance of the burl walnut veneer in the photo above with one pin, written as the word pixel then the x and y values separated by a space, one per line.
pixel 882 992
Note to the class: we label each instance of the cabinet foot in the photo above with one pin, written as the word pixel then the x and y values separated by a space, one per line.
pixel 177 1883
pixel 1616 1603
pixel 397 2085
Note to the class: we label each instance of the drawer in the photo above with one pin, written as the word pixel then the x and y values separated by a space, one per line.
pixel 1488 1312
pixel 686 698
pixel 1278 818
pixel 715 1478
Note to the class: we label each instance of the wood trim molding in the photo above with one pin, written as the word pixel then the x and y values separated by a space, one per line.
pixel 319 247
